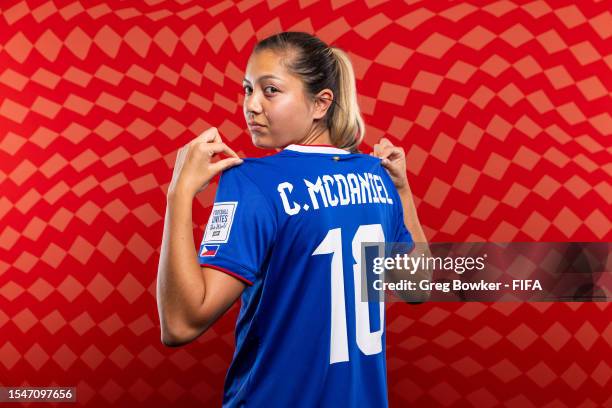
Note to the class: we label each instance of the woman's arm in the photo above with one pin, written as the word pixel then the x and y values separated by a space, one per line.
pixel 393 159
pixel 411 218
pixel 191 298
pixel 412 223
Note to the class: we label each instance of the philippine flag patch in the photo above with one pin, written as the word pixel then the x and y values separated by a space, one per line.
pixel 209 250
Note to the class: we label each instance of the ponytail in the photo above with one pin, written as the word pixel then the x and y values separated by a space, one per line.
pixel 346 125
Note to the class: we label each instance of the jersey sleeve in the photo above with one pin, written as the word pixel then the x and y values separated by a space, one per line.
pixel 240 229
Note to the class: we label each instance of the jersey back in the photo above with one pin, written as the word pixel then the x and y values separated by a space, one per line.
pixel 291 227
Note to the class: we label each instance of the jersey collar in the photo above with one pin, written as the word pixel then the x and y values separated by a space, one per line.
pixel 315 149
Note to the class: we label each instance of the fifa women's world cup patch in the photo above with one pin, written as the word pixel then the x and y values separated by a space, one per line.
pixel 219 224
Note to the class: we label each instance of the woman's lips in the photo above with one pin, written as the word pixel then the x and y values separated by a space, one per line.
pixel 257 128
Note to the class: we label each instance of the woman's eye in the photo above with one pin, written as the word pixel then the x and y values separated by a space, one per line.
pixel 269 89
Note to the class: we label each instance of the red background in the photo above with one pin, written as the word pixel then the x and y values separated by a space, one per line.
pixel 502 107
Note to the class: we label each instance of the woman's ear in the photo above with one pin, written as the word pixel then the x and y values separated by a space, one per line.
pixel 323 101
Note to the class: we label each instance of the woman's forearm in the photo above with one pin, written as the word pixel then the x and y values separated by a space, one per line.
pixel 180 285
pixel 411 218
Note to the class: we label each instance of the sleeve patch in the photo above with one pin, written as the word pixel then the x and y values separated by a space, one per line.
pixel 209 250
pixel 220 223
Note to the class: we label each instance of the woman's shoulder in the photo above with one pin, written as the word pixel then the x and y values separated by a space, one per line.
pixel 251 170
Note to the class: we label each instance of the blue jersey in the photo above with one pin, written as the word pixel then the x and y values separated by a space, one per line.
pixel 290 226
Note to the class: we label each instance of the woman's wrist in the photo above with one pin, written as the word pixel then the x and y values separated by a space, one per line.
pixel 404 192
pixel 176 195
pixel 411 218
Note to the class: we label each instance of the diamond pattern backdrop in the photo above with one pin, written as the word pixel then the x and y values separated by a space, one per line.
pixel 504 109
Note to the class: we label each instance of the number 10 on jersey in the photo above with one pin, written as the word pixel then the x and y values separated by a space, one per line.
pixel 368 342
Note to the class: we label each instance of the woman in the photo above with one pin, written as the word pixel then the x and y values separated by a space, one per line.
pixel 285 233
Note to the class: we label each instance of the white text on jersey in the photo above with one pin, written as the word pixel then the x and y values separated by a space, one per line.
pixel 337 189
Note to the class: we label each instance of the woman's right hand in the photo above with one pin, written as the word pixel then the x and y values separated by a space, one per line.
pixel 194 169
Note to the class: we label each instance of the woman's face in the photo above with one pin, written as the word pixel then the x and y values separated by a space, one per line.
pixel 275 99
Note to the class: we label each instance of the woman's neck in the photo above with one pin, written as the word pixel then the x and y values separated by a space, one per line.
pixel 321 138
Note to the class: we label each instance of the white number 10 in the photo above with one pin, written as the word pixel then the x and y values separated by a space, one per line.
pixel 368 342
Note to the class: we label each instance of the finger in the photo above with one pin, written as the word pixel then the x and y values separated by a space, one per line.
pixel 396 153
pixel 180 155
pixel 385 142
pixel 223 148
pixel 385 152
pixel 389 166
pixel 214 148
pixel 224 164
pixel 210 135
pixel 376 151
pixel 393 153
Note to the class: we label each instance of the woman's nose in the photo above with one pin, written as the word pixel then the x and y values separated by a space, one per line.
pixel 252 103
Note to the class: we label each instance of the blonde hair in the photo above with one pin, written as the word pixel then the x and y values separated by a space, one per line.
pixel 347 128
pixel 323 67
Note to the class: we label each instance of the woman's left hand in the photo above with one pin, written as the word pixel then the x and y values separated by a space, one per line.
pixel 393 160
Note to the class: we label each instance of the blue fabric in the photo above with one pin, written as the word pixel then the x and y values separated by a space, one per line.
pixel 283 355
